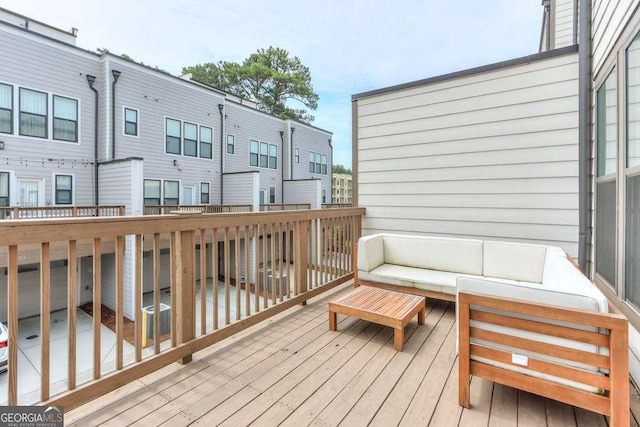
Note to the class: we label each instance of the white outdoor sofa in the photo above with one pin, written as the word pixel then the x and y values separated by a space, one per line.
pixel 527 317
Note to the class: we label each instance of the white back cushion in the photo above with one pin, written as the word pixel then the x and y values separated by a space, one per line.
pixel 514 261
pixel 370 252
pixel 434 253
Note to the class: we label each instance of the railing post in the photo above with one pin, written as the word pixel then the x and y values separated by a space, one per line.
pixel 74 211
pixel 185 286
pixel 301 255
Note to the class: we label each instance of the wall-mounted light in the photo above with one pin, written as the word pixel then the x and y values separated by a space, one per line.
pixel 1 145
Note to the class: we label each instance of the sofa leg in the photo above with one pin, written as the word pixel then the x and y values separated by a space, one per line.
pixel 619 376
pixel 463 355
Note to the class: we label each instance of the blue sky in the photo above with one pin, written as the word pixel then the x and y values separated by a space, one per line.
pixel 350 46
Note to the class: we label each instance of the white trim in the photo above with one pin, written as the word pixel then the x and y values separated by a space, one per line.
pixel 181 200
pixel 275 194
pixel 12 185
pixel 144 178
pixel 73 189
pixel 124 108
pixel 179 190
pixel 213 151
pixel 164 142
pixel 184 125
pixel 296 153
pixel 260 153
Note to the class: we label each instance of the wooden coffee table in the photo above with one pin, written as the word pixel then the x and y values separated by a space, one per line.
pixel 380 306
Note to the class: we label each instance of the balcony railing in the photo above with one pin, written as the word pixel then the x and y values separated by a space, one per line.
pixel 167 209
pixel 21 212
pixel 284 207
pixel 279 260
pixel 336 205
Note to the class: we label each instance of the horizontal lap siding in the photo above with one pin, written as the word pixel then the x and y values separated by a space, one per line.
pixel 564 23
pixel 303 192
pixel 309 139
pixel 493 155
pixel 238 189
pixel 609 18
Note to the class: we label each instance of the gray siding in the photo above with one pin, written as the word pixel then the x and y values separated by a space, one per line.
pixel 35 63
pixel 306 191
pixel 492 155
pixel 310 139
pixel 564 23
pixel 238 189
pixel 609 18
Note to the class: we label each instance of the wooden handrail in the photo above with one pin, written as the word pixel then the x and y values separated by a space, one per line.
pixel 24 212
pixel 284 206
pixel 167 209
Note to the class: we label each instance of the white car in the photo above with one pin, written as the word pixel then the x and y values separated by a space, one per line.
pixel 4 350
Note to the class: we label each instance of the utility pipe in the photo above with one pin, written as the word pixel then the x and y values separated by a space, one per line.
pixel 91 80
pixel 116 75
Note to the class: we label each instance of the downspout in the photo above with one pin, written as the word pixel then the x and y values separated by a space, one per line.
pixel 116 75
pixel 282 168
pixel 222 151
pixel 291 153
pixel 91 80
pixel 584 136
pixel 331 174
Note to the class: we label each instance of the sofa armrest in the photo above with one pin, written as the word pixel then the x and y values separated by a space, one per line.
pixel 370 252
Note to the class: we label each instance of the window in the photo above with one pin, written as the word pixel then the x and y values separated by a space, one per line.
pixel 173 136
pixel 171 193
pixel 273 156
pixel 264 155
pixel 606 160
pixel 190 139
pixel 312 165
pixel 272 194
pixel 324 164
pixel 231 144
pixel 130 122
pixel 206 141
pixel 253 156
pixel 33 113
pixel 296 155
pixel 151 192
pixel 6 108
pixel 631 174
pixel 324 196
pixel 204 193
pixel 318 163
pixel 64 189
pixel 65 119
pixel 4 188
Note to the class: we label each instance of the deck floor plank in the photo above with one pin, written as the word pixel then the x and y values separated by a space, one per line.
pixel 294 371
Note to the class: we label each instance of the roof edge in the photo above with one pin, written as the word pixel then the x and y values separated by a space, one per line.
pixel 471 71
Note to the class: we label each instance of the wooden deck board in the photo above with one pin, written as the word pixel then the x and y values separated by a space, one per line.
pixel 296 372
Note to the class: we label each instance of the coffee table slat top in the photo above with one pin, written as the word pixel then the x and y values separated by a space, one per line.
pixel 379 301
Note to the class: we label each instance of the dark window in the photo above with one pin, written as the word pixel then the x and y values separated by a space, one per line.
pixel 64 189
pixel 206 141
pixel 318 163
pixel 273 156
pixel 131 122
pixel 253 156
pixel 6 108
pixel 296 155
pixel 264 155
pixel 190 139
pixel 174 136
pixel 204 193
pixel 324 164
pixel 171 193
pixel 324 196
pixel 65 119
pixel 151 192
pixel 33 113
pixel 272 194
pixel 312 165
pixel 231 144
pixel 4 189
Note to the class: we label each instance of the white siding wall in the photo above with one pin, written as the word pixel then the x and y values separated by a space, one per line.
pixel 492 155
pixel 564 22
pixel 238 188
pixel 609 18
pixel 307 191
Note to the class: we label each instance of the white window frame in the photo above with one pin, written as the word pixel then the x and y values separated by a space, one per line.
pixel 160 198
pixel 199 145
pixel 200 192
pixel 124 122
pixel 164 125
pixel 13 109
pixel 269 157
pixel 226 150
pixel 54 189
pixel 179 190
pixel 275 195
pixel 296 155
pixel 257 165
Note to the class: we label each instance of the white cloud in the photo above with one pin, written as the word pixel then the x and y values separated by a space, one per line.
pixel 350 45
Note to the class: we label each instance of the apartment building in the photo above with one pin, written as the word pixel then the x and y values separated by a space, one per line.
pixel 81 128
pixel 342 187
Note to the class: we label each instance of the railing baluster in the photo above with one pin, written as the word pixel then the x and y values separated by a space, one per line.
pixel 237 273
pixel 288 255
pixel 227 282
pixel 72 290
pixel 203 282
pixel 272 263
pixel 97 305
pixel 12 315
pixel 138 298
pixel 247 285
pixel 119 301
pixel 45 323
pixel 214 268
pixel 156 293
pixel 255 230
pixel 172 289
pixel 317 242
pixel 264 286
pixel 281 279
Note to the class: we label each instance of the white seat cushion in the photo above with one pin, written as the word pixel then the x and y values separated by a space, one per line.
pixel 434 253
pixel 514 261
pixel 411 277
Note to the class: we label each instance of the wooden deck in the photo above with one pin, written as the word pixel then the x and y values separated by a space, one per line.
pixel 293 371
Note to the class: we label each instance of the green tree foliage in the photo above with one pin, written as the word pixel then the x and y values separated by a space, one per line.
pixel 269 76
pixel 341 169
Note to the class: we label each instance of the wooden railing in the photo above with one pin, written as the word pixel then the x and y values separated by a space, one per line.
pixel 20 212
pixel 336 205
pixel 167 209
pixel 284 207
pixel 270 262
